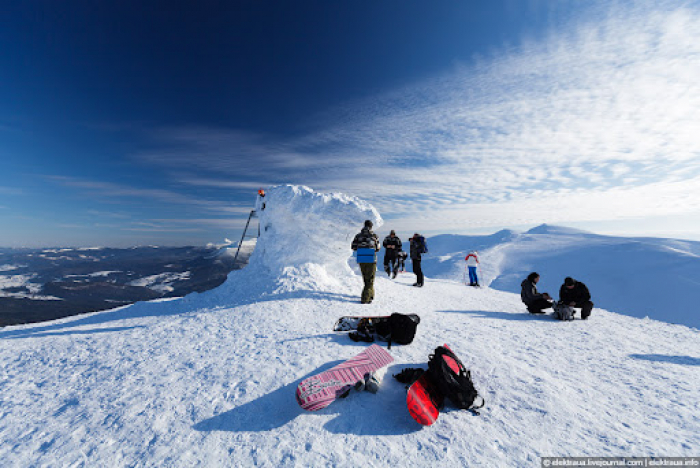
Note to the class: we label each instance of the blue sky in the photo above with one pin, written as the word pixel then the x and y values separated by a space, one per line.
pixel 130 123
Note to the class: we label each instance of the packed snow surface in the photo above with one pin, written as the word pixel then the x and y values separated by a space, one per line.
pixel 209 379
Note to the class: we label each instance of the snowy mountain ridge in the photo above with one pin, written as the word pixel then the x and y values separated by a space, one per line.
pixel 640 277
pixel 209 379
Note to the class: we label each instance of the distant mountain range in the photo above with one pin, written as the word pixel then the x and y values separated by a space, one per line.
pixel 46 284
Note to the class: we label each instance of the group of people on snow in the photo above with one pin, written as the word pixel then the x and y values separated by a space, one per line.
pixel 572 293
pixel 366 244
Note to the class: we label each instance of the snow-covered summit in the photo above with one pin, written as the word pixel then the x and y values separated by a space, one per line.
pixel 305 235
pixel 555 230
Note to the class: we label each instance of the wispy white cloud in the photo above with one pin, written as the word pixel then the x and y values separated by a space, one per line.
pixel 218 222
pixel 161 229
pixel 118 192
pixel 185 225
pixel 219 183
pixel 109 214
pixel 11 191
pixel 596 121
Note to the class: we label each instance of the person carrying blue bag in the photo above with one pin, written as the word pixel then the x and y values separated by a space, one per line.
pixel 366 245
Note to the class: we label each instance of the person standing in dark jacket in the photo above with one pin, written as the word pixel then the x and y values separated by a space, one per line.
pixel 392 247
pixel 367 239
pixel 417 249
pixel 575 294
pixel 534 300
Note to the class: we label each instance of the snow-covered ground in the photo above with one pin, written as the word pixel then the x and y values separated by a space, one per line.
pixel 161 282
pixel 209 379
pixel 24 286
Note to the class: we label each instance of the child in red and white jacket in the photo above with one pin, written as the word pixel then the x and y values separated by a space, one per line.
pixel 472 261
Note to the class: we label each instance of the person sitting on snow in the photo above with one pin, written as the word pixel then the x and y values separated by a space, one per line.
pixel 392 246
pixel 534 300
pixel 472 261
pixel 575 294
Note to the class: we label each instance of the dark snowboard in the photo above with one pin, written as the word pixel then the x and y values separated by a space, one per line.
pixel 356 323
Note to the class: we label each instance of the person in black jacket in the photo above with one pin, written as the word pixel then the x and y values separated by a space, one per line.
pixel 575 294
pixel 392 247
pixel 534 300
pixel 417 249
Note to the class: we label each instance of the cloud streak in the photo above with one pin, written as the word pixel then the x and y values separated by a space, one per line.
pixel 119 192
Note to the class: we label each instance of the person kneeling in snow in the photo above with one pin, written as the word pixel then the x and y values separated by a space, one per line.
pixel 367 240
pixel 534 300
pixel 576 294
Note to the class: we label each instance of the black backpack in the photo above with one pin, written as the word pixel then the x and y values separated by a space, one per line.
pixel 422 245
pixel 399 328
pixel 452 379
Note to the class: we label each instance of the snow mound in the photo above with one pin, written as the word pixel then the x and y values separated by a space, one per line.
pixel 305 236
pixel 557 230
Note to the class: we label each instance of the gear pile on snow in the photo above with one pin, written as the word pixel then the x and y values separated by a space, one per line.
pixel 446 377
pixel 395 328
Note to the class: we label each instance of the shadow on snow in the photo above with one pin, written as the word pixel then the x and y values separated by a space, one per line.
pixel 361 413
pixel 681 360
pixel 524 316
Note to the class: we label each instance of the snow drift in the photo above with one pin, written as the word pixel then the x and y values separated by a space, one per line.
pixel 305 236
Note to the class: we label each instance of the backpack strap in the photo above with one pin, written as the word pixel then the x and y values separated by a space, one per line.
pixel 483 402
